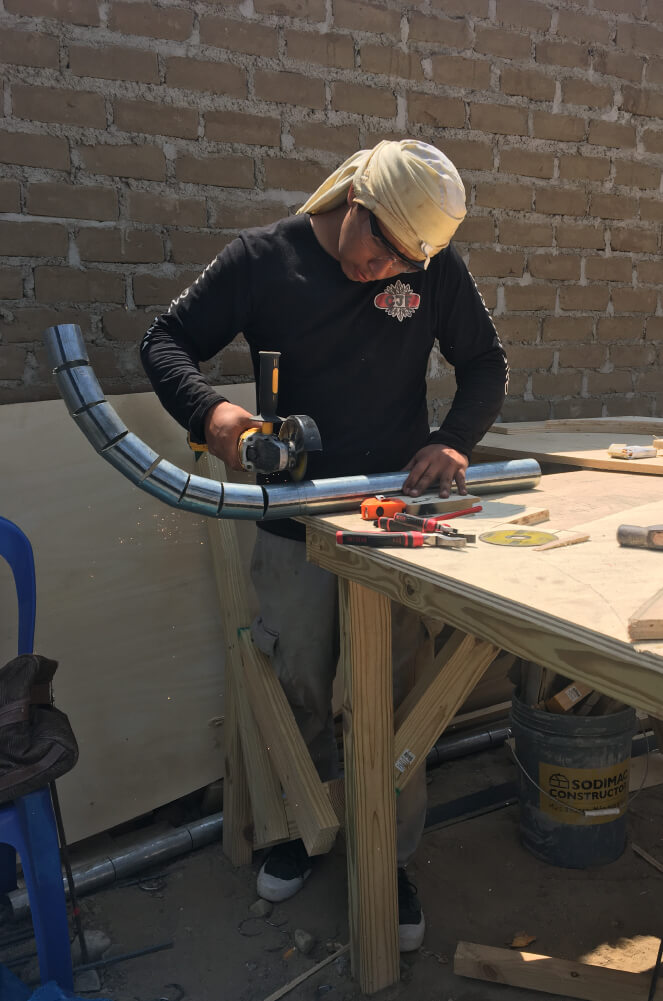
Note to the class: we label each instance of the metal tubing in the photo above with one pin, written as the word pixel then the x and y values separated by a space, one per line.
pixel 250 502
pixel 78 388
pixel 65 345
pixel 132 457
pixel 101 425
pixel 166 481
pixel 496 477
pixel 450 748
pixel 339 493
pixel 244 501
pixel 91 876
pixel 202 496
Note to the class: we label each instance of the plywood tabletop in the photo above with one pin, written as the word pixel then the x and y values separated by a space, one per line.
pixel 570 605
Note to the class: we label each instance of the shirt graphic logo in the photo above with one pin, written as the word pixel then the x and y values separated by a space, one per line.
pixel 398 300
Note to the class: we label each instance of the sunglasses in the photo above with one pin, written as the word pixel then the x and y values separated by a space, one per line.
pixel 397 256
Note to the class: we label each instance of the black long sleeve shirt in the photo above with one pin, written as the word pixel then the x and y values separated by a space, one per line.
pixel 354 355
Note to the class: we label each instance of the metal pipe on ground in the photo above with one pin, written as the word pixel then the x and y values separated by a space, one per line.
pixel 451 748
pixel 91 876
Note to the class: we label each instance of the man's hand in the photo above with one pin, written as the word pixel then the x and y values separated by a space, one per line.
pixel 436 465
pixel 224 423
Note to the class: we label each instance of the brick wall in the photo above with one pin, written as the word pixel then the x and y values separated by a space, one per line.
pixel 137 137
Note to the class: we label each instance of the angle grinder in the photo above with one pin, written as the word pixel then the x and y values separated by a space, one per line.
pixel 263 450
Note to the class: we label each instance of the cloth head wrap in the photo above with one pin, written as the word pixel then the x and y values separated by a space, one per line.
pixel 412 188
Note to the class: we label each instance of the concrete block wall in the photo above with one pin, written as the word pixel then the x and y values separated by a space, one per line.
pixel 138 136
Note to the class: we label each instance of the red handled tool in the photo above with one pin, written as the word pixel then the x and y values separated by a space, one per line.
pixel 400 522
pixel 398 540
pixel 416 520
pixel 458 514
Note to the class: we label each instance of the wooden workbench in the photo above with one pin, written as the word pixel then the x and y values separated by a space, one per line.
pixel 566 609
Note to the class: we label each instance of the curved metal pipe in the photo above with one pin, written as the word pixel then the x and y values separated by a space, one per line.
pixel 157 476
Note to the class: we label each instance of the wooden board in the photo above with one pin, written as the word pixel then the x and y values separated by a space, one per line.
pixel 126 602
pixel 585 450
pixel 567 608
pixel 592 425
pixel 247 773
pixel 561 977
pixel 434 700
pixel 284 745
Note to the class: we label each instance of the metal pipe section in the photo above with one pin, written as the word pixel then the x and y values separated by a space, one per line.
pixel 500 477
pixel 100 872
pixel 92 876
pixel 147 470
pixel 450 748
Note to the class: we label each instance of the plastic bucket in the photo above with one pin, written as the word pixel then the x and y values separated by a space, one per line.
pixel 572 769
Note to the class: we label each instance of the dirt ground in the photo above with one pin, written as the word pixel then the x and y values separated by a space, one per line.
pixel 476 883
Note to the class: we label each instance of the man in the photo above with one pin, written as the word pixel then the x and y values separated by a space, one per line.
pixel 353 291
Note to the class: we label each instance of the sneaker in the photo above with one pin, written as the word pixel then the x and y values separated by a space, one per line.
pixel 411 923
pixel 283 872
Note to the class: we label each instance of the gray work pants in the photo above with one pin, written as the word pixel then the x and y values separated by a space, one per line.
pixel 298 629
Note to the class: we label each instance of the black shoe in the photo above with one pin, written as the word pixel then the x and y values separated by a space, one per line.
pixel 283 872
pixel 411 923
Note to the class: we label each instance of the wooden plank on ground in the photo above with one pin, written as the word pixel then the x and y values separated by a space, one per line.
pixel 288 753
pixel 563 977
pixel 370 800
pixel 263 789
pixel 434 702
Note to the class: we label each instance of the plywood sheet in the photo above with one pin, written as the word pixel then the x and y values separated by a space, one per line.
pixel 584 450
pixel 126 602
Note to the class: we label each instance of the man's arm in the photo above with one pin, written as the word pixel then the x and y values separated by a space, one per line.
pixel 469 341
pixel 198 324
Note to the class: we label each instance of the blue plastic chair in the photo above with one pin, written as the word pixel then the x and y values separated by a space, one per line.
pixel 27 824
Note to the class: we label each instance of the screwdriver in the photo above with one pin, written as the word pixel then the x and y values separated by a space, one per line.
pixel 399 521
pixel 431 519
pixel 398 540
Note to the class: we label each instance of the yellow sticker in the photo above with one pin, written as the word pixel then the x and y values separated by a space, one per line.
pixel 573 789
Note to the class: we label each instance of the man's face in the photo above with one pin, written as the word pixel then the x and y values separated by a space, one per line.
pixel 363 254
